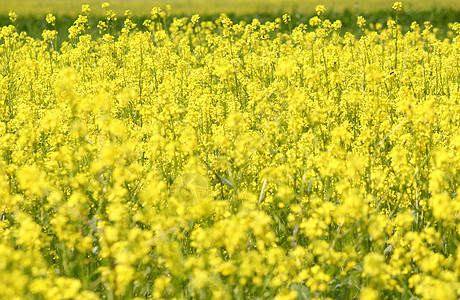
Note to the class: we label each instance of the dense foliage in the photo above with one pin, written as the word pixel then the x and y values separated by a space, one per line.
pixel 213 159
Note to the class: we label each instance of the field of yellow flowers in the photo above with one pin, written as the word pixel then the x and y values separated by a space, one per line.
pixel 216 159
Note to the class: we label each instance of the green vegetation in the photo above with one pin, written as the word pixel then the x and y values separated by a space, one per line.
pixel 34 24
pixel 212 7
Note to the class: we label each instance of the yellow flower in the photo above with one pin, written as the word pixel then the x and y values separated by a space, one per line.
pixel 85 8
pixel 286 18
pixel 50 18
pixel 397 6
pixel 195 18
pixel 368 293
pixel 320 9
pixel 13 16
pixel 361 21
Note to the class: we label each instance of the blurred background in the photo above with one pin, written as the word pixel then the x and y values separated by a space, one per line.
pixel 206 7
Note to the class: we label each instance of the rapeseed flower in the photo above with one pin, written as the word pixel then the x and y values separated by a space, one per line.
pixel 212 159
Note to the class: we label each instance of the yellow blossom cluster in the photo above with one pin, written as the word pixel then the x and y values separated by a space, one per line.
pixel 186 158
